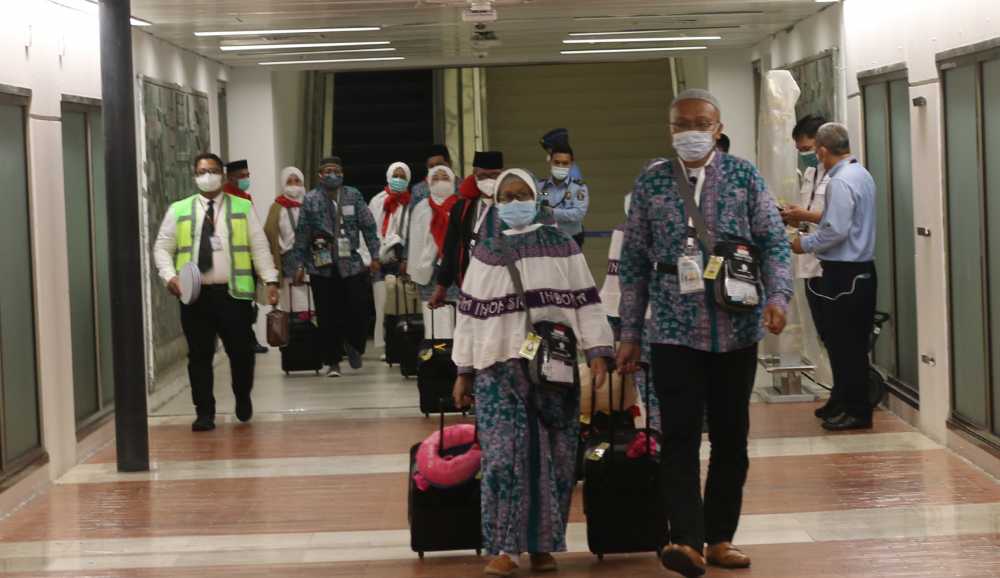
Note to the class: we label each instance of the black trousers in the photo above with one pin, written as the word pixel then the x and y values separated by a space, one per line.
pixel 342 313
pixel 849 294
pixel 688 382
pixel 217 314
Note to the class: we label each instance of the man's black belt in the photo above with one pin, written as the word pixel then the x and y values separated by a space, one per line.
pixel 668 268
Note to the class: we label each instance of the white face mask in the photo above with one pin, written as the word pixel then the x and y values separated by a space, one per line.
pixel 560 173
pixel 694 145
pixel 295 191
pixel 208 182
pixel 487 186
pixel 441 190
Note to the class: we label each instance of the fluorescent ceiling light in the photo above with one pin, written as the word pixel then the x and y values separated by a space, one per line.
pixel 303 45
pixel 648 39
pixel 331 61
pixel 645 31
pixel 324 52
pixel 139 22
pixel 613 50
pixel 288 31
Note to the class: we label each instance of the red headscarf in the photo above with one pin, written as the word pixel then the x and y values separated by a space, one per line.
pixel 393 201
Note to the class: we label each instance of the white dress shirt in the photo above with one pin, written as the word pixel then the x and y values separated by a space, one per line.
pixel 812 197
pixel 165 248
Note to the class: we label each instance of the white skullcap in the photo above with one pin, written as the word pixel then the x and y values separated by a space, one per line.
pixel 697 94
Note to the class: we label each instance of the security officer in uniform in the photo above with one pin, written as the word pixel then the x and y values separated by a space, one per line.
pixel 568 198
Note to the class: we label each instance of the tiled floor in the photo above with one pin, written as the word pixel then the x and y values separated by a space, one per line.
pixel 316 486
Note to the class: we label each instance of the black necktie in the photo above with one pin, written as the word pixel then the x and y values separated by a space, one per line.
pixel 205 245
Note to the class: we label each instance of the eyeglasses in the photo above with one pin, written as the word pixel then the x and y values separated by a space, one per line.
pixel 702 126
pixel 200 172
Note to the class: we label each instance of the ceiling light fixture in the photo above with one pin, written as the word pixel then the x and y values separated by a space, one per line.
pixel 662 31
pixel 648 39
pixel 275 63
pixel 323 52
pixel 288 31
pixel 614 50
pixel 139 22
pixel 245 47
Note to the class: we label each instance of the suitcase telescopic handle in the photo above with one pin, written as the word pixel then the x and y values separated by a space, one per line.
pixel 475 428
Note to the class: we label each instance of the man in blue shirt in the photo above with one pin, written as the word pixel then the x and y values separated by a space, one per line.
pixel 567 197
pixel 560 136
pixel 845 246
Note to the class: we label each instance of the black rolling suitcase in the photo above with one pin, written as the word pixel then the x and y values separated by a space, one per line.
pixel 622 498
pixel 443 519
pixel 403 335
pixel 436 375
pixel 304 351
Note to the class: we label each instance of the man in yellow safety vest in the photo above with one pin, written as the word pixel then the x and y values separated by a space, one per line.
pixel 222 235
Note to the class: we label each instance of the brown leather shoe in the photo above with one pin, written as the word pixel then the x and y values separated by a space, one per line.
pixel 725 555
pixel 684 560
pixel 543 563
pixel 501 566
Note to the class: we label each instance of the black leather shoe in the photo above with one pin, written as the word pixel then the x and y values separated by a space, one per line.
pixel 827 411
pixel 244 409
pixel 203 423
pixel 259 349
pixel 845 422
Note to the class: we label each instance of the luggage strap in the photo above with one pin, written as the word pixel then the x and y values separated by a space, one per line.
pixel 475 430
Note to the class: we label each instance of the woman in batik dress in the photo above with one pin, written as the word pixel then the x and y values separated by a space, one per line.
pixel 528 434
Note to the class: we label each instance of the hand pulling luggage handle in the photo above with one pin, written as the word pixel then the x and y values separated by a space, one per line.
pixel 475 429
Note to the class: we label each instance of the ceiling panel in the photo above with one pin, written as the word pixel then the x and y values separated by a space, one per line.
pixel 431 33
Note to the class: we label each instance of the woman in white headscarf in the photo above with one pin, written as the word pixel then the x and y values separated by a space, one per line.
pixel 390 208
pixel 528 434
pixel 282 220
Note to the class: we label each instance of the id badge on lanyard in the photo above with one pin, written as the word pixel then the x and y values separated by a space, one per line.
pixel 690 272
pixel 343 247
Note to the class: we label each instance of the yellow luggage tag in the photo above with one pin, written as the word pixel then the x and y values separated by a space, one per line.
pixel 529 349
pixel 426 354
pixel 585 419
pixel 597 452
pixel 714 267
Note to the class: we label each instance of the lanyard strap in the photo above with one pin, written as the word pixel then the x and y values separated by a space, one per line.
pixel 691 206
pixel 515 277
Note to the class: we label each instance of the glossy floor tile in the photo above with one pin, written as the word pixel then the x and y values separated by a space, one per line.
pixel 316 486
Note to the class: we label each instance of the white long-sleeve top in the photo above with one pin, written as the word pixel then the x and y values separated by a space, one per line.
pixel 165 247
pixel 394 233
pixel 422 251
pixel 558 287
pixel 286 228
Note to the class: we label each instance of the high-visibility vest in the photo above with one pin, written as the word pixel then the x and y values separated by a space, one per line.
pixel 241 281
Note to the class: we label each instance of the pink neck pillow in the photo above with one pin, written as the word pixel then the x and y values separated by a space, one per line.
pixel 451 469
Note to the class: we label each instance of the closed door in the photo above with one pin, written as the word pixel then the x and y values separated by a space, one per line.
pixel 888 158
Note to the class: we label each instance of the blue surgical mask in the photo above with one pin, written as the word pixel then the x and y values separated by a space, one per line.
pixel 332 181
pixel 398 184
pixel 518 214
pixel 243 184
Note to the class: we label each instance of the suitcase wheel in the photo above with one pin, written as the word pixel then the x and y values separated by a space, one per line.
pixel 289 373
pixel 426 415
pixel 317 372
pixel 479 551
pixel 421 554
pixel 600 557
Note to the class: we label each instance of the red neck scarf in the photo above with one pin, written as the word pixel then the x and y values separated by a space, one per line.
pixel 235 191
pixel 469 189
pixel 439 219
pixel 288 202
pixel 393 201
